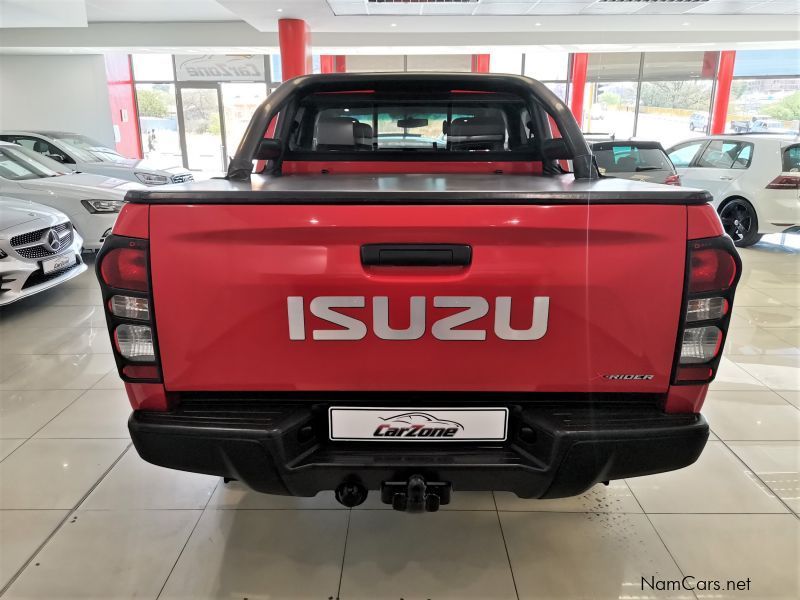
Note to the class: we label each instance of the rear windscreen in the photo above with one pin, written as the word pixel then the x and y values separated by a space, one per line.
pixel 630 159
pixel 480 123
pixel 791 159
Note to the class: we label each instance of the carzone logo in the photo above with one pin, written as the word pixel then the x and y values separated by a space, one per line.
pixel 416 425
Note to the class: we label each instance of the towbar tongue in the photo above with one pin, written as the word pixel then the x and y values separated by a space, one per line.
pixel 415 495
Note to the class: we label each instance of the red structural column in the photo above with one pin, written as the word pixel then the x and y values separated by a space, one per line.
pixel 722 95
pixel 327 63
pixel 294 39
pixel 122 100
pixel 480 63
pixel 340 63
pixel 580 65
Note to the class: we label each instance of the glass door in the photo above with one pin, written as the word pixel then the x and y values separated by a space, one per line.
pixel 202 127
pixel 239 102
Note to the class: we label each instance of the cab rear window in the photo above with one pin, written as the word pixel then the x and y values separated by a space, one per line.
pixel 331 123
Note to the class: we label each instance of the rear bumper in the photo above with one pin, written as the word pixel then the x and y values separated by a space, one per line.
pixel 552 451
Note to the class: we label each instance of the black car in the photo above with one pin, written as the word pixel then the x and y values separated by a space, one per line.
pixel 642 161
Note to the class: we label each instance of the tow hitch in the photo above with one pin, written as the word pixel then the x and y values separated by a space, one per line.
pixel 415 495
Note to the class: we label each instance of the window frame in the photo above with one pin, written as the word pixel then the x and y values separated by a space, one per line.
pixel 744 144
pixel 702 143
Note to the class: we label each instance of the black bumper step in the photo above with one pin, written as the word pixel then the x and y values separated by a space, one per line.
pixel 553 450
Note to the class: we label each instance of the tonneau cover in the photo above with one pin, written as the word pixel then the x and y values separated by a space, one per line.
pixel 419 189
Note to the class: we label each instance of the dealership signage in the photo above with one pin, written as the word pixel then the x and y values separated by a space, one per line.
pixel 220 67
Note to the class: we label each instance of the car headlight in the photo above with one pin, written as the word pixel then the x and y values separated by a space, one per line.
pixel 2 255
pixel 103 206
pixel 152 179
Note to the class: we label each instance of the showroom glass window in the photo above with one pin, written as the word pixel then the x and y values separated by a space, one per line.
pixel 197 117
pixel 675 97
pixel 551 67
pixel 154 75
pixel 610 97
pixel 765 94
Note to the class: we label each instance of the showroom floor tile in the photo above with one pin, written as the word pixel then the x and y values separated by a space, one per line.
pixel 82 516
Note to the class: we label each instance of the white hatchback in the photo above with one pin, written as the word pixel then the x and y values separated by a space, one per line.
pixel 754 179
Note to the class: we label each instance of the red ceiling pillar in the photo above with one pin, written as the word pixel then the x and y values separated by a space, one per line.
pixel 340 63
pixel 480 63
pixel 722 95
pixel 294 39
pixel 580 66
pixel 122 99
pixel 327 63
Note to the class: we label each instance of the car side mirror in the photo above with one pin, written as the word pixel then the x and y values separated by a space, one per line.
pixel 268 149
pixel 556 149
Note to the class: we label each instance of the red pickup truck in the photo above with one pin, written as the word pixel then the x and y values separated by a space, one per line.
pixel 398 287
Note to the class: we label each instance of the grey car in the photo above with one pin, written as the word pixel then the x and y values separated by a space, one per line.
pixel 634 159
pixel 81 153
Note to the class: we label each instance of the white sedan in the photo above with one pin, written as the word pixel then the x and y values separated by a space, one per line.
pixel 91 202
pixel 81 153
pixel 39 249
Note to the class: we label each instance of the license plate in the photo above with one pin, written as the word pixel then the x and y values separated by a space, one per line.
pixel 418 425
pixel 58 263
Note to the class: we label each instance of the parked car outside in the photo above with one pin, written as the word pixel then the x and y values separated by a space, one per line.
pixel 754 179
pixel 698 122
pixel 759 125
pixel 91 202
pixel 638 160
pixel 39 249
pixel 83 154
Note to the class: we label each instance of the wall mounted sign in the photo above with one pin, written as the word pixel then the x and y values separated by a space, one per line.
pixel 220 67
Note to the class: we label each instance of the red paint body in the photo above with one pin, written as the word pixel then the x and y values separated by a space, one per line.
pixel 722 95
pixel 121 98
pixel 294 39
pixel 580 66
pixel 233 335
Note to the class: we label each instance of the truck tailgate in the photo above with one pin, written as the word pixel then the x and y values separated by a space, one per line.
pixel 222 276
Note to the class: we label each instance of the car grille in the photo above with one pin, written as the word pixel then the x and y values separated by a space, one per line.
pixel 38 277
pixel 182 178
pixel 31 244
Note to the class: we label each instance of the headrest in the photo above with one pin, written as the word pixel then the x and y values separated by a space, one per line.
pixel 40 146
pixel 465 129
pixel 336 131
pixel 363 134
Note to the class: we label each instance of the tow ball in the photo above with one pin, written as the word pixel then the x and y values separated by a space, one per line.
pixel 415 495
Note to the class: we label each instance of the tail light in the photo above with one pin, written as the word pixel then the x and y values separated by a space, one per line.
pixel 784 182
pixel 713 270
pixel 673 180
pixel 124 274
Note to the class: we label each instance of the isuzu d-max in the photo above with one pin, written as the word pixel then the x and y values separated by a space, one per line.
pixel 398 288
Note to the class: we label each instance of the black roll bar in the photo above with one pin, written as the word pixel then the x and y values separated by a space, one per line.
pixel 533 91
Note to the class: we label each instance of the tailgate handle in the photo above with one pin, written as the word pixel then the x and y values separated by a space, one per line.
pixel 416 255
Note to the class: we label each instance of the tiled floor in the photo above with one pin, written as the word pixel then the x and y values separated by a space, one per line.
pixel 82 516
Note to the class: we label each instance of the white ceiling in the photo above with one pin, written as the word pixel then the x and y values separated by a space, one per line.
pixel 42 13
pixel 561 7
pixel 107 11
pixel 40 26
